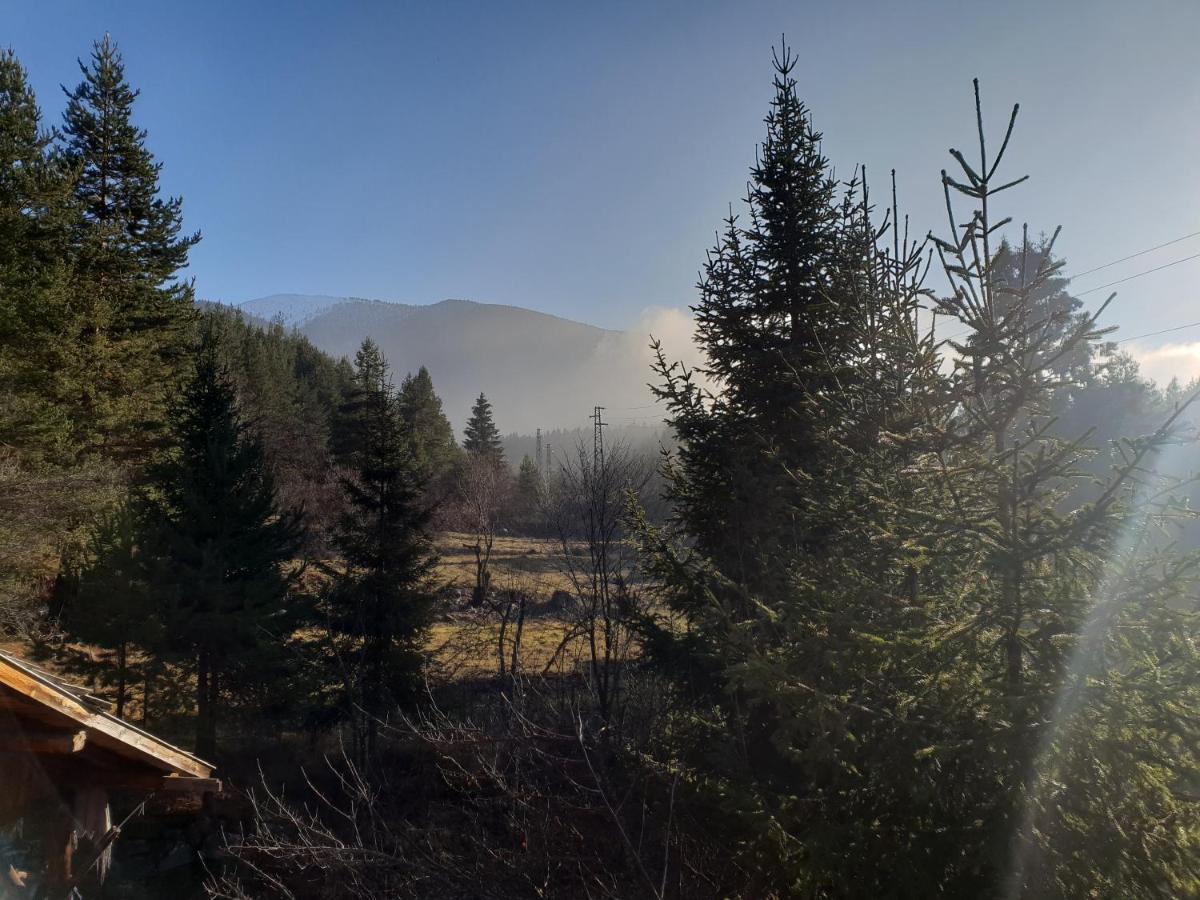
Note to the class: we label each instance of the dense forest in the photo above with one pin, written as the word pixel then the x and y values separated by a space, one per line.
pixel 902 602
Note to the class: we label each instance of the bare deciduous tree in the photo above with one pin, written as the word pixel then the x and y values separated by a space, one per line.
pixel 585 504
pixel 483 489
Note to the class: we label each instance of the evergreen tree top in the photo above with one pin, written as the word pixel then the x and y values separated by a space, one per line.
pixel 23 143
pixel 370 368
pixel 118 183
pixel 768 314
pixel 428 430
pixel 34 182
pixel 417 394
pixel 481 436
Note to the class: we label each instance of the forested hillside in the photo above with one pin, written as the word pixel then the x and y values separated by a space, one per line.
pixel 544 371
pixel 885 610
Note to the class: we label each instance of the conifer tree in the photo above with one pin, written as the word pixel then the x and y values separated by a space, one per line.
pixel 130 247
pixel 108 601
pixel 430 432
pixel 1057 621
pixel 39 371
pixel 776 335
pixel 225 545
pixel 481 438
pixel 928 686
pixel 380 603
pixel 289 393
pixel 529 490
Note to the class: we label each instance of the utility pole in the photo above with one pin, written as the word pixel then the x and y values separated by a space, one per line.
pixel 597 438
pixel 537 453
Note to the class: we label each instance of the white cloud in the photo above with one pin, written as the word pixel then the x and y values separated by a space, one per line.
pixel 675 328
pixel 1168 361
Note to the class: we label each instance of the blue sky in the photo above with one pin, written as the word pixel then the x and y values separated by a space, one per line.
pixel 575 158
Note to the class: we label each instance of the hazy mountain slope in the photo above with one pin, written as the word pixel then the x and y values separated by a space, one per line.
pixel 538 370
pixel 294 309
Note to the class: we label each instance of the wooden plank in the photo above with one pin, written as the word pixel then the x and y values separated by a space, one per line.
pixel 44 742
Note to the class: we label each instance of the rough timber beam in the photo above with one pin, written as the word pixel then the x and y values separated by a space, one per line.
pixel 43 742
pixel 172 784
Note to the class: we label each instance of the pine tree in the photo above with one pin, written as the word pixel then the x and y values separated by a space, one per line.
pixel 380 603
pixel 225 545
pixel 430 432
pixel 481 438
pixel 130 250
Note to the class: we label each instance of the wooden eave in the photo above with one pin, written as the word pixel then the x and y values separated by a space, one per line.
pixel 75 709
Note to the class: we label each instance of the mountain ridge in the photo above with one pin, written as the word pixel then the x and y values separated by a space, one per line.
pixel 301 308
pixel 538 369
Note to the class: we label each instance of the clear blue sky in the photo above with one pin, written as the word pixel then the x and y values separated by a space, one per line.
pixel 576 157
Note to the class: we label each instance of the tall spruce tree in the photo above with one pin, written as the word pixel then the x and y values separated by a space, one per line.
pixel 775 336
pixel 380 603
pixel 481 438
pixel 131 248
pixel 225 546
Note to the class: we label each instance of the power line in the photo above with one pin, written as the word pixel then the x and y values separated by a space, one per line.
pixel 1101 287
pixel 1136 255
pixel 1157 333
pixel 1139 274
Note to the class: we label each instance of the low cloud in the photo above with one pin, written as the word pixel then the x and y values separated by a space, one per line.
pixel 620 369
pixel 676 329
pixel 1161 364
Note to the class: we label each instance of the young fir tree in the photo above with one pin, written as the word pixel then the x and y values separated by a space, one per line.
pixel 225 546
pixel 381 600
pixel 770 324
pixel 429 431
pixel 481 438
pixel 130 250
pixel 1069 625
pixel 528 494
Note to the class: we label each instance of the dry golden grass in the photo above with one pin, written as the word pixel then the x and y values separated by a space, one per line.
pixel 466 645
pixel 530 564
pixel 468 650
pixel 462 645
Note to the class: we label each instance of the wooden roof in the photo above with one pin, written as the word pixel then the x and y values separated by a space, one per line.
pixel 77 718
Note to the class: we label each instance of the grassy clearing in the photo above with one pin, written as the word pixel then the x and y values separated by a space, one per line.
pixel 464 645
pixel 533 565
pixel 469 650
